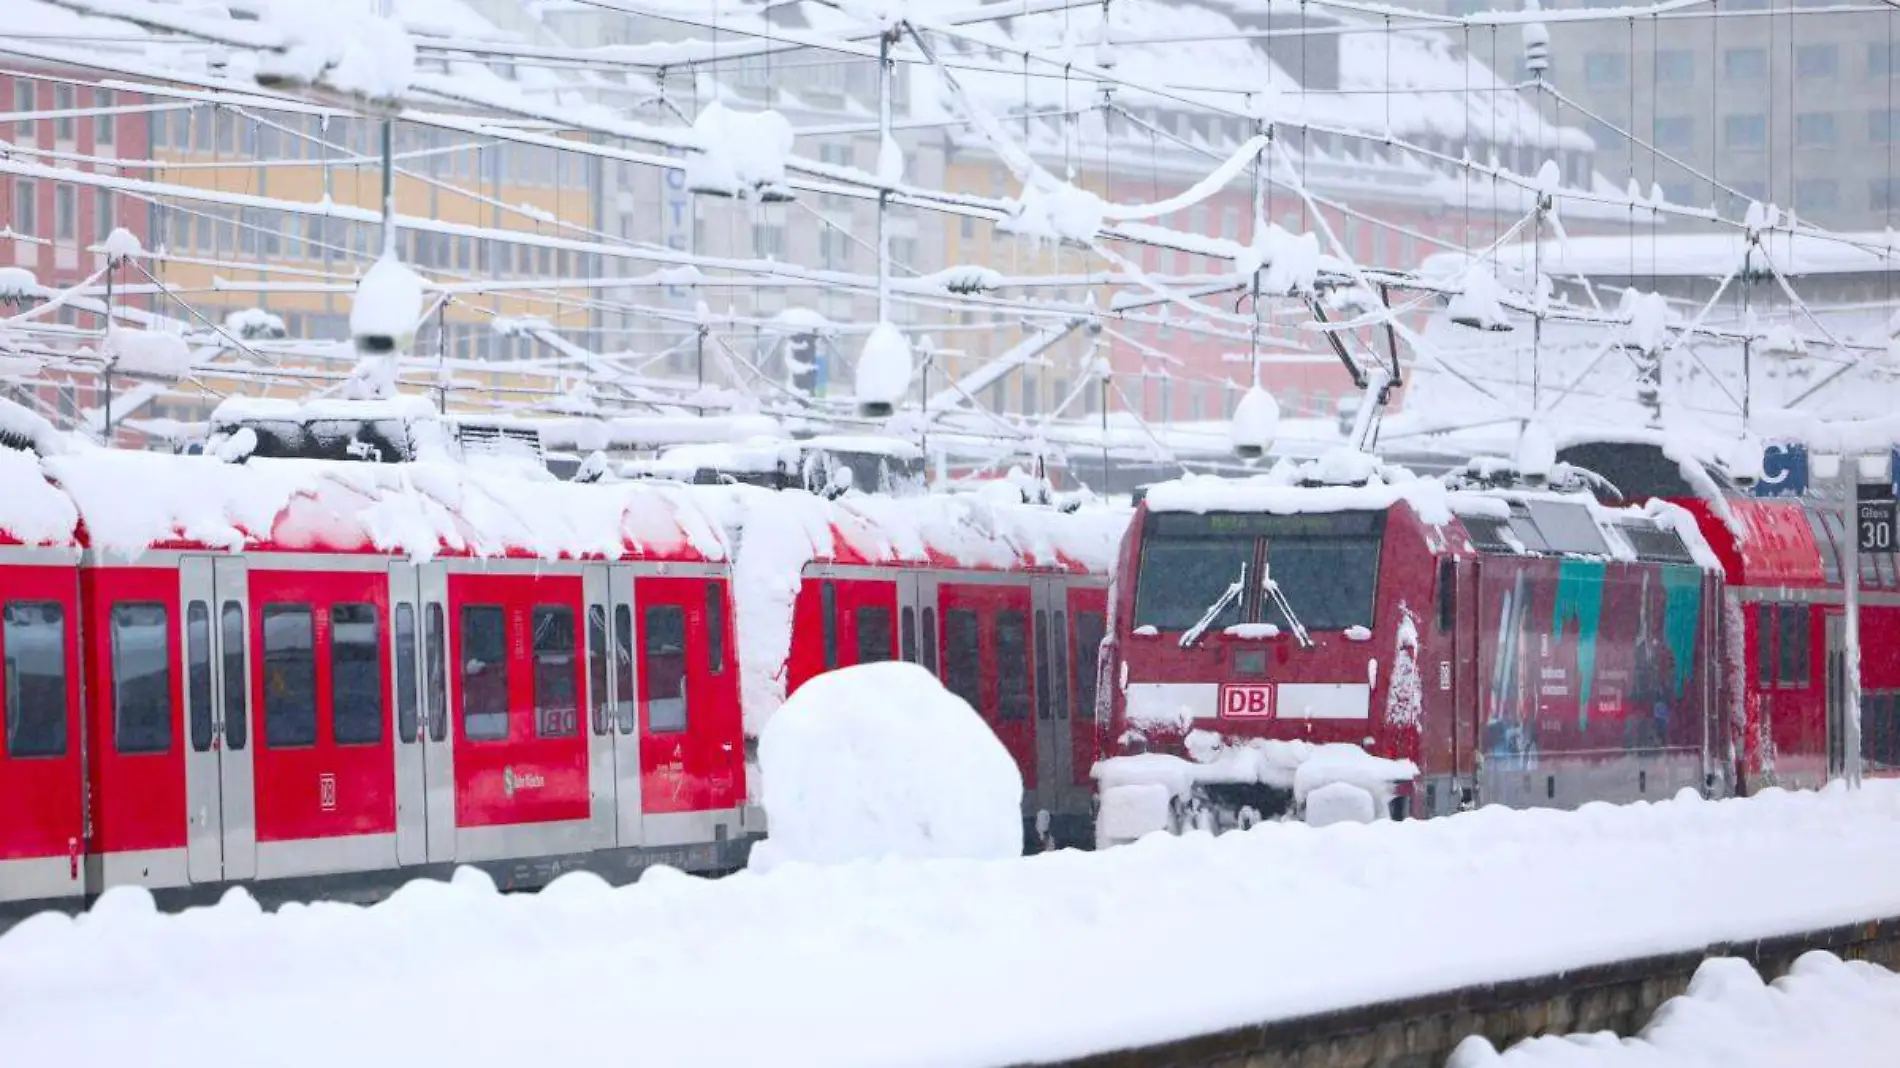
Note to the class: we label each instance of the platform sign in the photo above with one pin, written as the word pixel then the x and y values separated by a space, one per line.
pixel 1874 520
pixel 1784 471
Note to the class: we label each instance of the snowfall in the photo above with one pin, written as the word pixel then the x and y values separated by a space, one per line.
pixel 922 939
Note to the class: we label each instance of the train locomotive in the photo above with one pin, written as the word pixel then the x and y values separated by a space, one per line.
pixel 1622 625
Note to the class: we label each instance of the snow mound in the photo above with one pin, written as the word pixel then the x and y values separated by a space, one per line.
pixel 1056 211
pixel 1256 422
pixel 123 244
pixel 1825 1011
pixel 1340 802
pixel 146 353
pixel 883 372
pixel 879 760
pixel 388 302
pixel 359 53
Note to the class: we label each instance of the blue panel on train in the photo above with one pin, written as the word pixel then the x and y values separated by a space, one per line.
pixel 1784 471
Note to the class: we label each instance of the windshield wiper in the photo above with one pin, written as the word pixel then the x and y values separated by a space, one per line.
pixel 1272 590
pixel 1236 590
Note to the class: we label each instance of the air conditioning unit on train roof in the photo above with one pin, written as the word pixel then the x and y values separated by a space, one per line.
pixel 400 429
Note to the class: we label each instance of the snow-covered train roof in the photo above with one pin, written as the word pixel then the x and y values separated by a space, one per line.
pixel 130 502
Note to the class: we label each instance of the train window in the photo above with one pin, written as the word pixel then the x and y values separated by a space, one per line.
pixel 664 668
pixel 1447 594
pixel 1012 666
pixel 874 635
pixel 1795 636
pixel 1869 571
pixel 141 678
pixel 436 655
pixel 1824 541
pixel 198 675
pixel 406 673
pixel 1487 533
pixel 623 668
pixel 484 673
pixel 1059 673
pixel 1765 644
pixel 356 675
pixel 907 635
pixel 1090 627
pixel 1883 563
pixel 602 716
pixel 1569 528
pixel 930 639
pixel 290 676
pixel 1042 665
pixel 1523 527
pixel 556 710
pixel 1880 741
pixel 1180 578
pixel 34 640
pixel 828 622
pixel 1328 584
pixel 962 669
pixel 237 689
pixel 716 627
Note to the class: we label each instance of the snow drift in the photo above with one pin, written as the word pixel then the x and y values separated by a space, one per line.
pixel 879 760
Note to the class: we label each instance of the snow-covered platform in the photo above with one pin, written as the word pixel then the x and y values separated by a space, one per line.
pixel 940 962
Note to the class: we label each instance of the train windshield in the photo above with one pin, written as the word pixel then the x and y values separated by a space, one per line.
pixel 1326 565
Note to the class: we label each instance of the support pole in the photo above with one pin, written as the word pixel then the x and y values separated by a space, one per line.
pixel 884 194
pixel 1850 714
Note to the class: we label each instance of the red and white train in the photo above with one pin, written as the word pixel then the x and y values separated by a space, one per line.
pixel 321 679
pixel 1656 628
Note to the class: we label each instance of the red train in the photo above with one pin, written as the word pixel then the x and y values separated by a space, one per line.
pixel 1515 644
pixel 321 679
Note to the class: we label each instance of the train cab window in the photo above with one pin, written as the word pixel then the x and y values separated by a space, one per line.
pixel 930 639
pixel 1328 582
pixel 625 718
pixel 556 707
pixel 141 678
pixel 406 673
pixel 1059 671
pixel 1012 666
pixel 602 710
pixel 828 622
pixel 435 655
pixel 716 627
pixel 237 689
pixel 1090 628
pixel 1042 665
pixel 33 642
pixel 1765 644
pixel 1795 635
pixel 484 672
pixel 198 715
pixel 874 634
pixel 907 635
pixel 290 676
pixel 1180 578
pixel 663 668
pixel 962 667
pixel 356 675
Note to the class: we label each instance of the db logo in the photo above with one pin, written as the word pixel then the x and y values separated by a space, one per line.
pixel 1246 700
pixel 326 792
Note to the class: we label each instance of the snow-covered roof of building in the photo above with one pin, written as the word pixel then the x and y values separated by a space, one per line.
pixel 1690 255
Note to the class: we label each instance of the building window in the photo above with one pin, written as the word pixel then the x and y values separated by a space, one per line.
pixel 102 213
pixel 1817 61
pixel 26 205
pixel 1675 67
pixel 1675 131
pixel 103 126
pixel 1880 59
pixel 65 212
pixel 23 101
pixel 1744 131
pixel 1883 194
pixel 1880 127
pixel 1814 129
pixel 1606 68
pixel 63 103
pixel 1811 194
pixel 1745 64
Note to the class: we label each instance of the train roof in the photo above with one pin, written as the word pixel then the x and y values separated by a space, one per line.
pixel 131 502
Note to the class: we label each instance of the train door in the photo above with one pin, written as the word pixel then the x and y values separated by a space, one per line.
pixel 436 739
pixel 220 790
pixel 691 738
pixel 405 657
pixel 986 661
pixel 1087 626
pixel 917 619
pixel 1054 738
pixel 1461 678
pixel 1837 683
pixel 613 741
pixel 42 762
